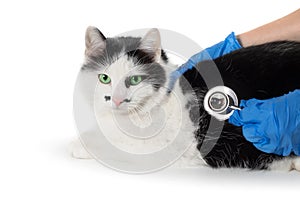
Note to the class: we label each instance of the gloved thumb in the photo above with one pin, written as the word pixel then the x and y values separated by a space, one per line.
pixel 251 113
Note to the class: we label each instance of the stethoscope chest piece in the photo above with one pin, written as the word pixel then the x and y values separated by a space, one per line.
pixel 220 102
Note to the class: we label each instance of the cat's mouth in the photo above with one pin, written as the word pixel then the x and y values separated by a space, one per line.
pixel 126 100
pixel 120 104
pixel 116 103
pixel 130 105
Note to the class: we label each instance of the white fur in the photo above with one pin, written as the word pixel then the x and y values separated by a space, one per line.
pixel 106 114
pixel 78 151
pixel 173 105
pixel 176 117
pixel 286 164
pixel 109 117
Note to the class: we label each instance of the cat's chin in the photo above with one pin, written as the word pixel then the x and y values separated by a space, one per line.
pixel 119 111
pixel 127 112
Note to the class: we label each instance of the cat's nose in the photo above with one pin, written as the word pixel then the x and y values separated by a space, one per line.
pixel 117 102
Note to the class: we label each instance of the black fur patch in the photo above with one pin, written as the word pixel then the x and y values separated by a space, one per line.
pixel 156 75
pixel 262 72
pixel 164 56
pixel 141 57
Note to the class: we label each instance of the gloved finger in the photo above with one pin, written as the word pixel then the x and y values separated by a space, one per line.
pixel 236 118
pixel 253 111
pixel 295 140
pixel 259 139
pixel 252 134
pixel 251 103
pixel 249 115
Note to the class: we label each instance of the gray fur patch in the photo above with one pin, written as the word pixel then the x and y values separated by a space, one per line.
pixel 120 46
pixel 115 47
pixel 156 75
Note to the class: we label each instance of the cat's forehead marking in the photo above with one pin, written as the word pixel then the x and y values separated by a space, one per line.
pixel 117 47
pixel 121 64
pixel 121 68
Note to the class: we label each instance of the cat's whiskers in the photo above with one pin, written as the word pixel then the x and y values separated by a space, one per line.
pixel 142 107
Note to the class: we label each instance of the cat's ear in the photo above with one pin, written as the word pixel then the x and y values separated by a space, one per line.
pixel 95 42
pixel 151 43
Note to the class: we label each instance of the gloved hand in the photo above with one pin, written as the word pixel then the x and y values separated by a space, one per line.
pixel 272 125
pixel 228 45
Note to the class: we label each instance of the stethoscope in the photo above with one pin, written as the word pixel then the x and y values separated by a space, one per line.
pixel 220 102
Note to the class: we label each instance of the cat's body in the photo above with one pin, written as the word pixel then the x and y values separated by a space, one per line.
pixel 134 76
pixel 261 72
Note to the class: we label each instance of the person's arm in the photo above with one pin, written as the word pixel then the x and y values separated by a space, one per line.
pixel 272 125
pixel 285 28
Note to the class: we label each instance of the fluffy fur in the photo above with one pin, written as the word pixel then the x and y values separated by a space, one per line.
pixel 262 72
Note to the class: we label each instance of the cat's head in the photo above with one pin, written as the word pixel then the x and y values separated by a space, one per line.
pixel 130 70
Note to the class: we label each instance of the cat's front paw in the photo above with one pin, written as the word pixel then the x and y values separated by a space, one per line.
pixel 78 151
pixel 296 164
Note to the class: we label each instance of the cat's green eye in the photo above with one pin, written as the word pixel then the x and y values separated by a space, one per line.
pixel 103 78
pixel 134 80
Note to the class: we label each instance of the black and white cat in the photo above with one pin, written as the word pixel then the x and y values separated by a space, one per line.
pixel 134 76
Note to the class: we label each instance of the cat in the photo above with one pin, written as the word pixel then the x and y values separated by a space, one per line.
pixel 134 78
pixel 132 96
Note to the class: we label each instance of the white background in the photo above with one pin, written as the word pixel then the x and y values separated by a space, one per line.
pixel 41 49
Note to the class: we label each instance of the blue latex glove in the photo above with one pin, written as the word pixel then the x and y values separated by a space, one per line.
pixel 228 45
pixel 272 125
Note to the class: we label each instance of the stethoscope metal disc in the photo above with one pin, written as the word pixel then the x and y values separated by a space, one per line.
pixel 220 102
